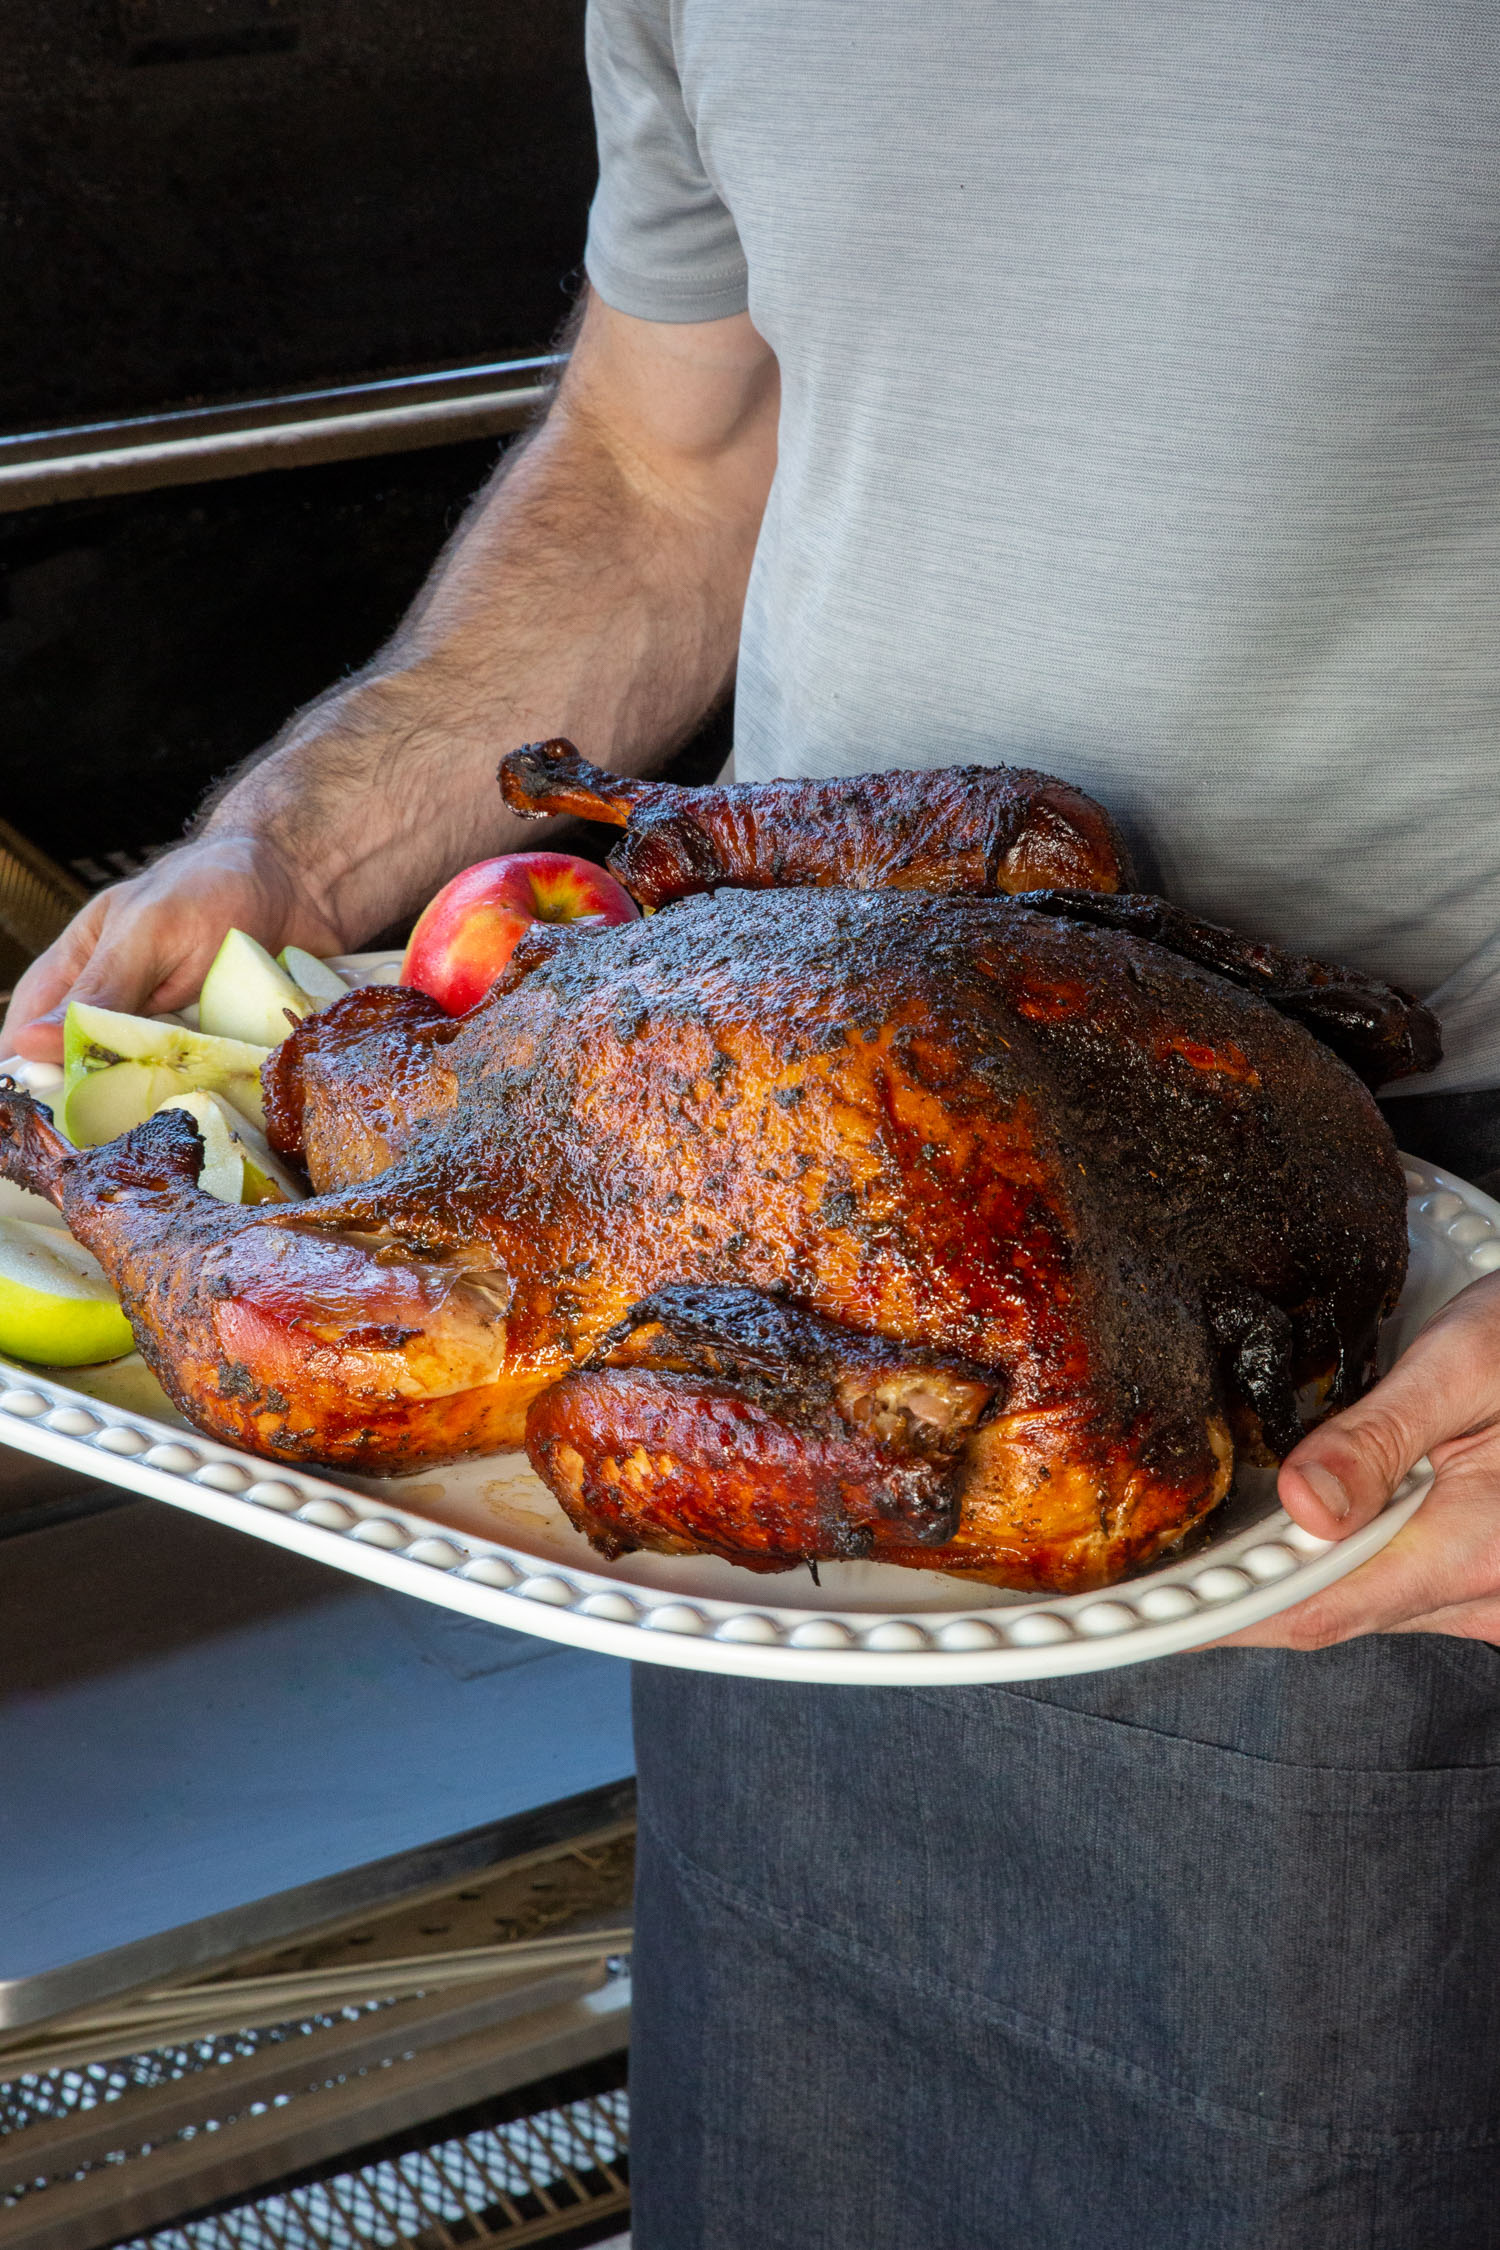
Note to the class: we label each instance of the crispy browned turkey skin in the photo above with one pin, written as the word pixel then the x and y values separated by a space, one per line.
pixel 947 1229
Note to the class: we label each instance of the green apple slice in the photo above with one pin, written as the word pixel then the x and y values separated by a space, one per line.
pixel 97 1104
pixel 239 1165
pixel 118 1069
pixel 318 981
pixel 246 995
pixel 56 1308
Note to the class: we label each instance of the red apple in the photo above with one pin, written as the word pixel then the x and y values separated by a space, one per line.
pixel 467 934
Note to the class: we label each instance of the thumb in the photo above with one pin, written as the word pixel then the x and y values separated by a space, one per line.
pixel 1446 1385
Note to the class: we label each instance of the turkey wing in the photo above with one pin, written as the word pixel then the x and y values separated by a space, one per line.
pixel 959 828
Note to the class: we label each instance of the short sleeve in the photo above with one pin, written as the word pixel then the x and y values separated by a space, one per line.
pixel 661 243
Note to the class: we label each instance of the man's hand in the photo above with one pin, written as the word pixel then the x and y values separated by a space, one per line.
pixel 145 945
pixel 1441 1572
pixel 594 590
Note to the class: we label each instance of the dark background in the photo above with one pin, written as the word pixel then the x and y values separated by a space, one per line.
pixel 149 643
pixel 206 198
pixel 202 200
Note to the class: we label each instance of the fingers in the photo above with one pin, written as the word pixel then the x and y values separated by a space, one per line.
pixel 1466 1621
pixel 128 949
pixel 1440 1574
pixel 1446 1386
pixel 1441 1571
pixel 154 947
pixel 33 1022
pixel 146 945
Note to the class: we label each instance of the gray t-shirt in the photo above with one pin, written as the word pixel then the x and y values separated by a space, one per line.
pixel 1141 421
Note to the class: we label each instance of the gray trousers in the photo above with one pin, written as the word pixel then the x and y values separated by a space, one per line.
pixel 1196 1955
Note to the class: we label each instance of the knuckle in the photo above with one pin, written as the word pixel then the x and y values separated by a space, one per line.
pixel 1314 1624
pixel 1377 1436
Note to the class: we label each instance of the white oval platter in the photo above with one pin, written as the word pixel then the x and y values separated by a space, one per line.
pixel 486 1537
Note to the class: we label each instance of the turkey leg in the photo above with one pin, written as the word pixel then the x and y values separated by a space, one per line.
pixel 727 1421
pixel 961 828
pixel 291 1329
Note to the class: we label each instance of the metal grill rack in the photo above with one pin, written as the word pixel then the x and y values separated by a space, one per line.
pixel 357 2086
pixel 557 2171
pixel 538 2178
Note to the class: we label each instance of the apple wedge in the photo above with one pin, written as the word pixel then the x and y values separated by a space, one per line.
pixel 248 995
pixel 318 981
pixel 56 1308
pixel 238 1163
pixel 118 1069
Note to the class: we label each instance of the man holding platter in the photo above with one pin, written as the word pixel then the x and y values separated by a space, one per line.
pixel 1114 390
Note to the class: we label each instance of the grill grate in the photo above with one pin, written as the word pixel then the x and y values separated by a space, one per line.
pixel 383 2080
pixel 527 2181
pixel 511 2170
pixel 42 2096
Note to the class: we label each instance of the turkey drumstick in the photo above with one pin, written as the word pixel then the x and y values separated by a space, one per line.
pixel 309 1331
pixel 960 828
pixel 990 829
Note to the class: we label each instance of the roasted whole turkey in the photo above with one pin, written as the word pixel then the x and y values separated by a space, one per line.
pixel 836 1211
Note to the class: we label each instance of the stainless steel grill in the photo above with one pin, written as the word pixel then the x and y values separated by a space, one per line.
pixel 363 2084
pixel 528 2179
pixel 532 2180
pixel 399 414
pixel 125 2147
pixel 41 2097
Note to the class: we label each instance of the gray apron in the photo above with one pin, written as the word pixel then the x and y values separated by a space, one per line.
pixel 1197 1955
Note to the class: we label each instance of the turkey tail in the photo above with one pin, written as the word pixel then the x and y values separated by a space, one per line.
pixel 551 777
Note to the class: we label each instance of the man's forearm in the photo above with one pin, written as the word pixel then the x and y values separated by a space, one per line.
pixel 588 593
pixel 594 590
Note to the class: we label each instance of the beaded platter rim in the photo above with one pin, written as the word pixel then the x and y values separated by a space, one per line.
pixel 1237 1579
